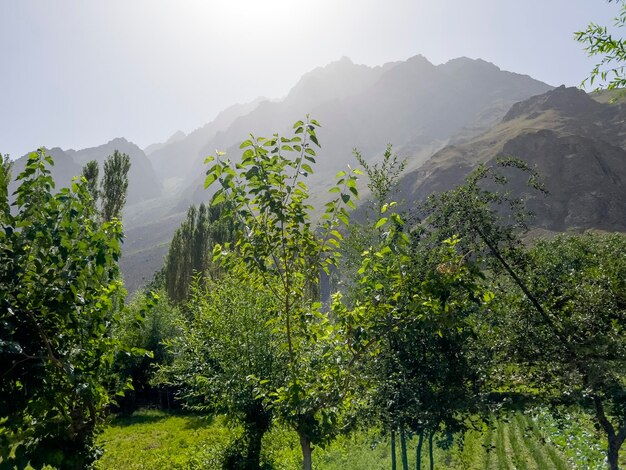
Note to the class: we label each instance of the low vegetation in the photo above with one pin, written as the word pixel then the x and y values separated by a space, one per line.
pixel 155 439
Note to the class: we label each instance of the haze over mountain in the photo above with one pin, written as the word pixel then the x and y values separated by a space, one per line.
pixel 412 103
pixel 173 159
pixel 417 106
pixel 450 116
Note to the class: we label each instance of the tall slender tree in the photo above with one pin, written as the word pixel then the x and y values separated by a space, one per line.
pixel 114 185
pixel 90 173
pixel 190 252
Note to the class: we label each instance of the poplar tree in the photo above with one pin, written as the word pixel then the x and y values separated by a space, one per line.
pixel 114 185
pixel 90 173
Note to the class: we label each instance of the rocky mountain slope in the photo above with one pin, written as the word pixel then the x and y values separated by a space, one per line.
pixel 578 145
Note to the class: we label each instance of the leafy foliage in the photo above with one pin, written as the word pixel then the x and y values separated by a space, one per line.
pixel 59 289
pixel 419 300
pixel 573 351
pixel 146 324
pixel 90 173
pixel 600 42
pixel 279 243
pixel 114 185
pixel 227 352
pixel 189 254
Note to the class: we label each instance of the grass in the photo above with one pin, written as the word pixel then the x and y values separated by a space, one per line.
pixel 156 440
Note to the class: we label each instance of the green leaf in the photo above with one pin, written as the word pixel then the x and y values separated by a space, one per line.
pixel 382 221
pixel 217 198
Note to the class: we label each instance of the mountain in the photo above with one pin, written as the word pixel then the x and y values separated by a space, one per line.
pixel 414 104
pixel 65 167
pixel 578 145
pixel 175 137
pixel 172 160
pixel 143 183
pixel 417 106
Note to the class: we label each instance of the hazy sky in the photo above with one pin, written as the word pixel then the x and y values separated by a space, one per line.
pixel 77 73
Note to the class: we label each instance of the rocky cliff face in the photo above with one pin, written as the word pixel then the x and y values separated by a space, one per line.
pixel 577 144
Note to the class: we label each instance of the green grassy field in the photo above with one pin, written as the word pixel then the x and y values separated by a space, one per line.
pixel 156 440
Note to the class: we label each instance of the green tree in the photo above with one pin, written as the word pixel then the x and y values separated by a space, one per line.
pixel 5 179
pixel 587 352
pixel 90 173
pixel 114 185
pixel 383 180
pixel 190 251
pixel 278 241
pixel 145 326
pixel 383 177
pixel 420 299
pixel 419 295
pixel 611 50
pixel 570 347
pixel 59 290
pixel 226 353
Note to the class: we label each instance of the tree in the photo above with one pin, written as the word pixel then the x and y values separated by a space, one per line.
pixel 190 251
pixel 600 42
pixel 90 173
pixel 278 241
pixel 114 185
pixel 147 323
pixel 5 178
pixel 571 294
pixel 420 299
pixel 58 292
pixel 226 353
pixel 571 349
pixel 418 294
pixel 383 179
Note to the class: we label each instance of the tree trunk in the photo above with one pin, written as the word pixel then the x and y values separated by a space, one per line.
pixel 614 439
pixel 253 459
pixel 405 460
pixel 430 450
pixel 418 451
pixel 305 443
pixel 393 450
pixel 258 422
pixel 612 455
pixel 615 442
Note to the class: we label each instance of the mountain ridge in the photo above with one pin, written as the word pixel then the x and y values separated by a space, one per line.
pixel 582 162
pixel 445 119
